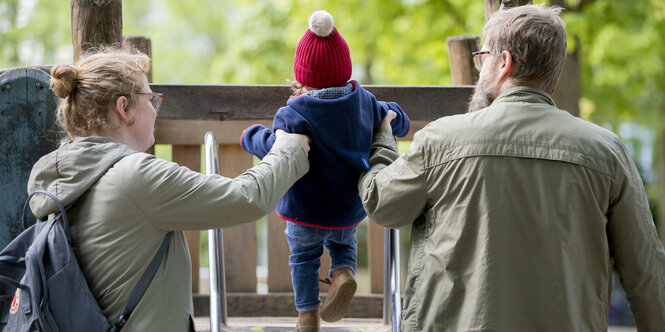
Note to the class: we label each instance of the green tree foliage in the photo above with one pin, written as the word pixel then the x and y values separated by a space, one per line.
pixel 622 48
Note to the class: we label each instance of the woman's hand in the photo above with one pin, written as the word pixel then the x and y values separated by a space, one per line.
pixel 304 140
pixel 385 124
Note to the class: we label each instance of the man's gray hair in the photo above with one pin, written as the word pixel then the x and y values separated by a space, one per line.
pixel 535 36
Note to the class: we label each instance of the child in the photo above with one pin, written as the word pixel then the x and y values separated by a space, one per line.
pixel 323 208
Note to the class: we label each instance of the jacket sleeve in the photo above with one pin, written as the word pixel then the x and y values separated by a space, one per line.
pixel 174 198
pixel 257 140
pixel 638 254
pixel 390 186
pixel 401 124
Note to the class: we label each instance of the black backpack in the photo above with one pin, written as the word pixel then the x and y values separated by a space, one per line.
pixel 42 287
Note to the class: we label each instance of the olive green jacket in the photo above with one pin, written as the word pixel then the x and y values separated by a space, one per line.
pixel 519 212
pixel 129 201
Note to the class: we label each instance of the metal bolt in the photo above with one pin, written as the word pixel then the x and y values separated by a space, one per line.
pixel 38 84
pixel 8 86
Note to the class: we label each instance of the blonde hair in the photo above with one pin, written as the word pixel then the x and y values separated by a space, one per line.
pixel 296 87
pixel 90 88
pixel 535 36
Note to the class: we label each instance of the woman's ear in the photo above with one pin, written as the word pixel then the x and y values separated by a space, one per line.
pixel 120 109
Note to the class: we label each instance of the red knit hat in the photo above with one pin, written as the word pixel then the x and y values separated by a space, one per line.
pixel 322 57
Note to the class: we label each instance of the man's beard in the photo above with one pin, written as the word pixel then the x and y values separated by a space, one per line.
pixel 482 96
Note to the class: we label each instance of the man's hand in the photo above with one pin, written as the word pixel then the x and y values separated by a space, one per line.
pixel 385 124
pixel 304 140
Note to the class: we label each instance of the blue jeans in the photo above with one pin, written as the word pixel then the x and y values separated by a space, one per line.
pixel 306 244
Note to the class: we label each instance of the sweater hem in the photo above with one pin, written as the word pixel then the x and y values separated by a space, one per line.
pixel 314 225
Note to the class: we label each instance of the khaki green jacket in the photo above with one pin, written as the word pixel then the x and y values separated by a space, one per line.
pixel 518 213
pixel 130 200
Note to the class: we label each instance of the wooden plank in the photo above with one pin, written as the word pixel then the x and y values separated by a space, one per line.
pixel 279 271
pixel 375 250
pixel 190 157
pixel 172 131
pixel 282 305
pixel 27 120
pixel 240 102
pixel 239 241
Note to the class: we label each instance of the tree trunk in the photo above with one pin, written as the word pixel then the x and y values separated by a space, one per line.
pixel 491 6
pixel 95 23
pixel 568 90
pixel 660 218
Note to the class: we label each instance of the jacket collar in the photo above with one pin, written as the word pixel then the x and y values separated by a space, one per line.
pixel 525 94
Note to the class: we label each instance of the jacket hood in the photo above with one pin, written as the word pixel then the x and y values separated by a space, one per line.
pixel 343 126
pixel 71 170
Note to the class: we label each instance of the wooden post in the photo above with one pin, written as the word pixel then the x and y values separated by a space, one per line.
pixel 375 250
pixel 239 241
pixel 279 275
pixel 190 157
pixel 141 44
pixel 462 68
pixel 95 23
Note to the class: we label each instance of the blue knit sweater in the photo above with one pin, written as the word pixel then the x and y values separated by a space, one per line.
pixel 341 130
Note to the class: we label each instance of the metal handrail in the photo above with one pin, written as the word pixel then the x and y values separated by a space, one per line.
pixel 215 249
pixel 392 297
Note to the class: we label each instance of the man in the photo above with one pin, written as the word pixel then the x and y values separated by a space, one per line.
pixel 519 210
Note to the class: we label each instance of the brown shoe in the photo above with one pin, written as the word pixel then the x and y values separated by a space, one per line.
pixel 342 288
pixel 308 321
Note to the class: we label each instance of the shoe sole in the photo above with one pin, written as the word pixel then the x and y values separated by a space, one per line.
pixel 336 307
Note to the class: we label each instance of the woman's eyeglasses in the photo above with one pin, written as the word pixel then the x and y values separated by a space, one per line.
pixel 156 99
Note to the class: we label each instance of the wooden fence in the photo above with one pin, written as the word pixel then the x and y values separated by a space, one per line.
pixel 189 111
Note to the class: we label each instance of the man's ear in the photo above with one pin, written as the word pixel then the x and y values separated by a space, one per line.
pixel 506 67
pixel 121 105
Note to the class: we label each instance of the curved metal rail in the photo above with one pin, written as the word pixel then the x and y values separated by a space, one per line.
pixel 218 312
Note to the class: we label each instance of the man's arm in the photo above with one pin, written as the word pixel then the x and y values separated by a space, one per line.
pixel 638 255
pixel 393 193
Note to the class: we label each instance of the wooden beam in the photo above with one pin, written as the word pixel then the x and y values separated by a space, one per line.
pixel 172 131
pixel 261 102
pixel 95 23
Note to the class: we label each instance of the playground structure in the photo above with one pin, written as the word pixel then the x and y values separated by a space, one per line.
pixel 188 113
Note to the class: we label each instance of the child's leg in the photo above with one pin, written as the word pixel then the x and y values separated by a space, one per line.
pixel 343 249
pixel 306 250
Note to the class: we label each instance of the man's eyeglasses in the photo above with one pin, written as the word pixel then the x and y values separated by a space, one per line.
pixel 156 99
pixel 479 59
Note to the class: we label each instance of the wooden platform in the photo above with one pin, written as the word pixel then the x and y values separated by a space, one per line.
pixel 279 324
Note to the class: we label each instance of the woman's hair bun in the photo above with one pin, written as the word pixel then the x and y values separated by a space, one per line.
pixel 63 80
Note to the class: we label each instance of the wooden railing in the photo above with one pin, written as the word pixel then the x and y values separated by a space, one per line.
pixel 189 111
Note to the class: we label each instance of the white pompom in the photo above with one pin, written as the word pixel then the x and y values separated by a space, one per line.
pixel 321 23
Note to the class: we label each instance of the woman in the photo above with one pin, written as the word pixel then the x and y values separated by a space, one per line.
pixel 126 200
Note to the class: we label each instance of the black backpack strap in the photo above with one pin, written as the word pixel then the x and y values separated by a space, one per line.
pixel 143 284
